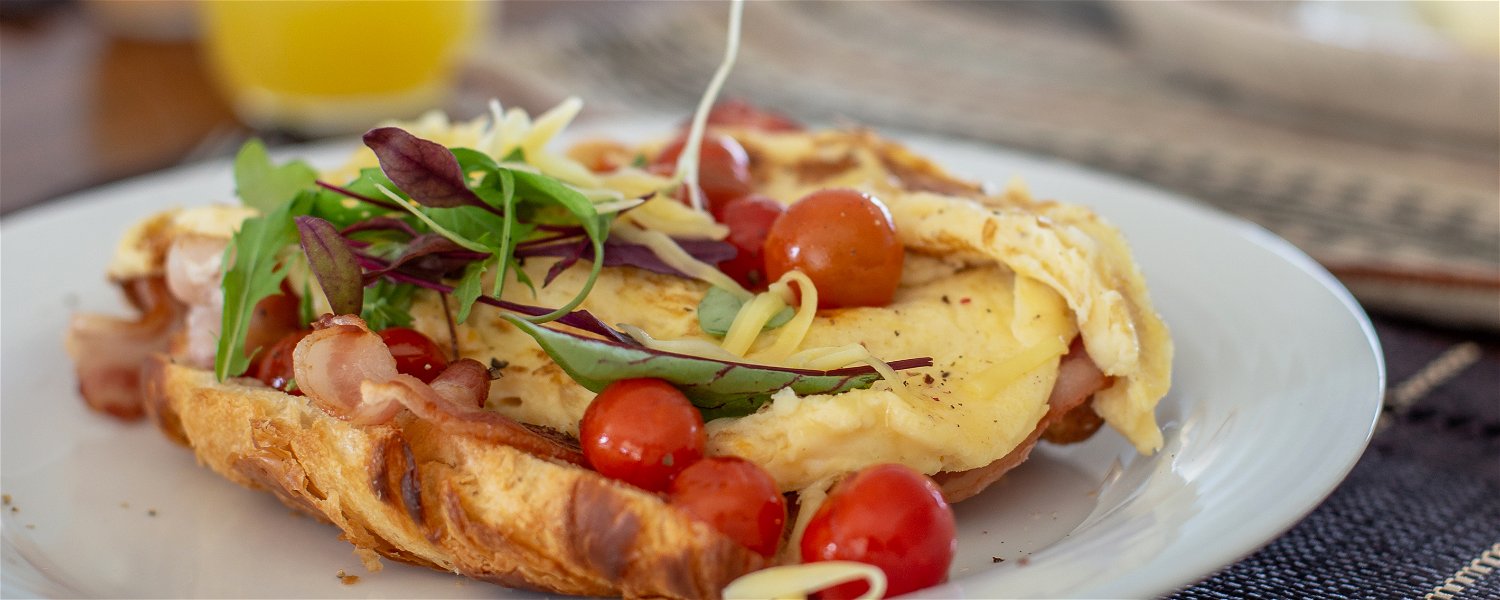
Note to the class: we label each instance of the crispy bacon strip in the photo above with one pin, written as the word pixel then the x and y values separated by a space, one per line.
pixel 1077 380
pixel 348 371
pixel 108 352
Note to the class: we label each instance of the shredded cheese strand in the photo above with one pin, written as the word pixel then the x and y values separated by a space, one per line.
pixel 687 162
pixel 794 331
pixel 669 216
pixel 672 254
pixel 797 581
pixel 750 321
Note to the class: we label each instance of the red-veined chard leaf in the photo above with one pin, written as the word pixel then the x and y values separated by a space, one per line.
pixel 264 186
pixel 333 263
pixel 252 272
pixel 425 170
pixel 718 388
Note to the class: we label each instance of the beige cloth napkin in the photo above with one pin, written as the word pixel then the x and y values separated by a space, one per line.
pixel 1410 222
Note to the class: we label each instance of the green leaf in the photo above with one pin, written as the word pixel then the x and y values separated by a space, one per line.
pixel 718 388
pixel 469 287
pixel 305 308
pixel 264 186
pixel 387 304
pixel 253 273
pixel 719 307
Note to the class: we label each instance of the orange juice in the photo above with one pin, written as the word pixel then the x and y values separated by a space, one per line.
pixel 322 66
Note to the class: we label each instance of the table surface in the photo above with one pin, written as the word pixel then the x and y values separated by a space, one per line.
pixel 1419 515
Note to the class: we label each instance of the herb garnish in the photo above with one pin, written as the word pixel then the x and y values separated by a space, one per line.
pixel 433 214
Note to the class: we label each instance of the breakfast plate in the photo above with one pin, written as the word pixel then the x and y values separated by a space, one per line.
pixel 1277 383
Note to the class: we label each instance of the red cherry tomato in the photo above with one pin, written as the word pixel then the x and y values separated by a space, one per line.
pixel 415 354
pixel 736 497
pixel 738 113
pixel 643 432
pixel 749 220
pixel 723 168
pixel 273 366
pixel 888 516
pixel 846 244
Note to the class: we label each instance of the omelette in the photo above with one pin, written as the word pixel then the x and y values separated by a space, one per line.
pixel 995 290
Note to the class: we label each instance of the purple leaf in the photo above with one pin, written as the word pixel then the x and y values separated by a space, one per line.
pixel 425 170
pixel 333 263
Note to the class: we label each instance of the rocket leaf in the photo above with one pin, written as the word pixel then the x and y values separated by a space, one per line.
pixel 252 273
pixel 264 186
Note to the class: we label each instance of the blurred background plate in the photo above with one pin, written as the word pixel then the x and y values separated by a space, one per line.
pixel 1429 67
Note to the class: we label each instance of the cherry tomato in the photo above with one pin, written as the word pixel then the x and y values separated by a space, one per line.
pixel 738 113
pixel 723 168
pixel 888 516
pixel 736 497
pixel 273 366
pixel 749 219
pixel 416 354
pixel 643 432
pixel 846 244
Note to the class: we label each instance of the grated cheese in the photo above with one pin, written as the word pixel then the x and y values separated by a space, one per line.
pixel 670 217
pixel 687 162
pixel 797 581
pixel 750 321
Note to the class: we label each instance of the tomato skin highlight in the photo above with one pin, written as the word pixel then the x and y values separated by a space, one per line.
pixel 736 497
pixel 845 242
pixel 749 219
pixel 723 168
pixel 888 516
pixel 416 354
pixel 273 366
pixel 643 432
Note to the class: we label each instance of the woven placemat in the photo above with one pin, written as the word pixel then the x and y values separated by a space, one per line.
pixel 1410 224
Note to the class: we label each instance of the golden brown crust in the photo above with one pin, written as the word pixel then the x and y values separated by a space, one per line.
pixel 414 493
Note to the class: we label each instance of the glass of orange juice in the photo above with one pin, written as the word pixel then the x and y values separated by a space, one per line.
pixel 321 67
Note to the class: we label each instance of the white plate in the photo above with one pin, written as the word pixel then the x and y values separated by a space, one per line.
pixel 1278 382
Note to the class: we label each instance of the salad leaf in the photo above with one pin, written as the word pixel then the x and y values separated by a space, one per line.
pixel 264 186
pixel 718 388
pixel 719 307
pixel 387 304
pixel 333 263
pixel 253 273
pixel 469 288
pixel 425 170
